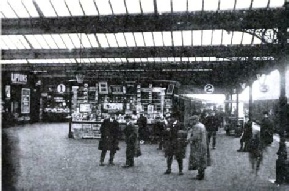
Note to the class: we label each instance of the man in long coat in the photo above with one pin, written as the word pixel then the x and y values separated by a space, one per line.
pixel 173 145
pixel 212 124
pixel 130 133
pixel 198 143
pixel 110 131
pixel 266 130
pixel 246 136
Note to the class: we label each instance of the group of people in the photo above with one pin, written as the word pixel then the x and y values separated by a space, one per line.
pixel 256 141
pixel 173 137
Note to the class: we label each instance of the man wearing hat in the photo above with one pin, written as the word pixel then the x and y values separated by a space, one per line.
pixel 173 147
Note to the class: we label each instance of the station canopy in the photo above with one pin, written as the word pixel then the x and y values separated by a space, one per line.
pixel 226 42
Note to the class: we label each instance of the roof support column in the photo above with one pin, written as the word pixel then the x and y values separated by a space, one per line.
pixel 250 101
pixel 282 161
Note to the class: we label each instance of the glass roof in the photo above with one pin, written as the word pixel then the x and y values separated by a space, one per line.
pixel 129 39
pixel 61 8
pixel 129 60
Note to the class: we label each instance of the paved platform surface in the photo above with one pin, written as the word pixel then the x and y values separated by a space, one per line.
pixel 46 159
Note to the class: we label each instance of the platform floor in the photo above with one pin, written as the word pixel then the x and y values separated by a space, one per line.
pixel 46 159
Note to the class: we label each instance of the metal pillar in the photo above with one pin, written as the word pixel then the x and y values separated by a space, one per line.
pixel 250 101
pixel 282 164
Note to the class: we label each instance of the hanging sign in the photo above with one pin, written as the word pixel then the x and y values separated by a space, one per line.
pixel 61 88
pixel 209 88
pixel 18 78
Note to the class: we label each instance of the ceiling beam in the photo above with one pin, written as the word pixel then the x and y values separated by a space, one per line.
pixel 145 52
pixel 228 20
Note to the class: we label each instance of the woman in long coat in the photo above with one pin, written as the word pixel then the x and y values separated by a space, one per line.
pixel 198 144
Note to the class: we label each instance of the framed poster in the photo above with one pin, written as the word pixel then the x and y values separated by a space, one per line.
pixel 150 109
pixel 103 89
pixel 170 89
pixel 25 100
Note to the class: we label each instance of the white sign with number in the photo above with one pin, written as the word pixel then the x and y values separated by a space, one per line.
pixel 61 88
pixel 209 88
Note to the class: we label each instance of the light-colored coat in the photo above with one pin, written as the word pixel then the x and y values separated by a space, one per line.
pixel 198 147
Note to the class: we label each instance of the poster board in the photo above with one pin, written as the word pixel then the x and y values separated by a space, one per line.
pixel 25 100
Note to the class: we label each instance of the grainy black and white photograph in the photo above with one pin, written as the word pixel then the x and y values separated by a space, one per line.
pixel 144 95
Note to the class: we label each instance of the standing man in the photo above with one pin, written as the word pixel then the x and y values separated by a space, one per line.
pixel 143 130
pixel 212 124
pixel 130 139
pixel 266 130
pixel 172 147
pixel 109 139
pixel 246 136
pixel 198 141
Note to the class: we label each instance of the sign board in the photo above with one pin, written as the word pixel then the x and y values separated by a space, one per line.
pixel 25 100
pixel 18 78
pixel 209 88
pixel 61 88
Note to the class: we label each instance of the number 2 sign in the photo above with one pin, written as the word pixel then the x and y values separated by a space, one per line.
pixel 209 88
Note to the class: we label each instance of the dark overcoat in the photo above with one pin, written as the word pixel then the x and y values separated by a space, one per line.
pixel 266 131
pixel 110 132
pixel 174 145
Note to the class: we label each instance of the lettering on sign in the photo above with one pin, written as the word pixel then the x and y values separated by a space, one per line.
pixel 61 88
pixel 209 88
pixel 18 78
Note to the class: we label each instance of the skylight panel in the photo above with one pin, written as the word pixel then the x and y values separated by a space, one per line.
pixel 157 59
pixel 212 59
pixel 137 60
pixel 7 11
pixel 67 41
pixel 50 41
pixel 33 41
pixel 23 41
pixel 110 59
pixel 31 8
pixel 144 59
pixel 139 39
pixel 185 59
pixel 129 39
pixel 72 60
pixel 58 41
pixel 103 7
pixel 2 15
pixel 19 61
pixel 243 4
pixel 98 60
pixel 179 5
pixel 14 39
pixel 247 38
pixel 151 59
pixel 195 5
pixel 111 40
pixel 207 37
pixel 177 59
pixel 46 8
pixel 164 6
pixel 19 8
pixel 164 59
pixel 74 7
pixel 199 58
pixel 167 38
pixel 60 7
pixel 177 38
pixel 227 36
pixel 88 7
pixel 148 38
pixel 117 60
pixel 197 38
pixel 84 40
pixel 237 37
pixel 118 6
pixel 102 40
pixel 217 37
pixel 41 41
pixel 123 59
pixel 260 3
pixel 147 6
pixel 187 38
pixel 171 59
pixel 92 40
pixel 227 4
pixel 192 59
pixel 158 38
pixel 276 3
pixel 92 60
pixel 3 44
pixel 133 6
pixel 130 59
pixel 75 40
pixel 211 5
pixel 120 40
pixel 257 40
